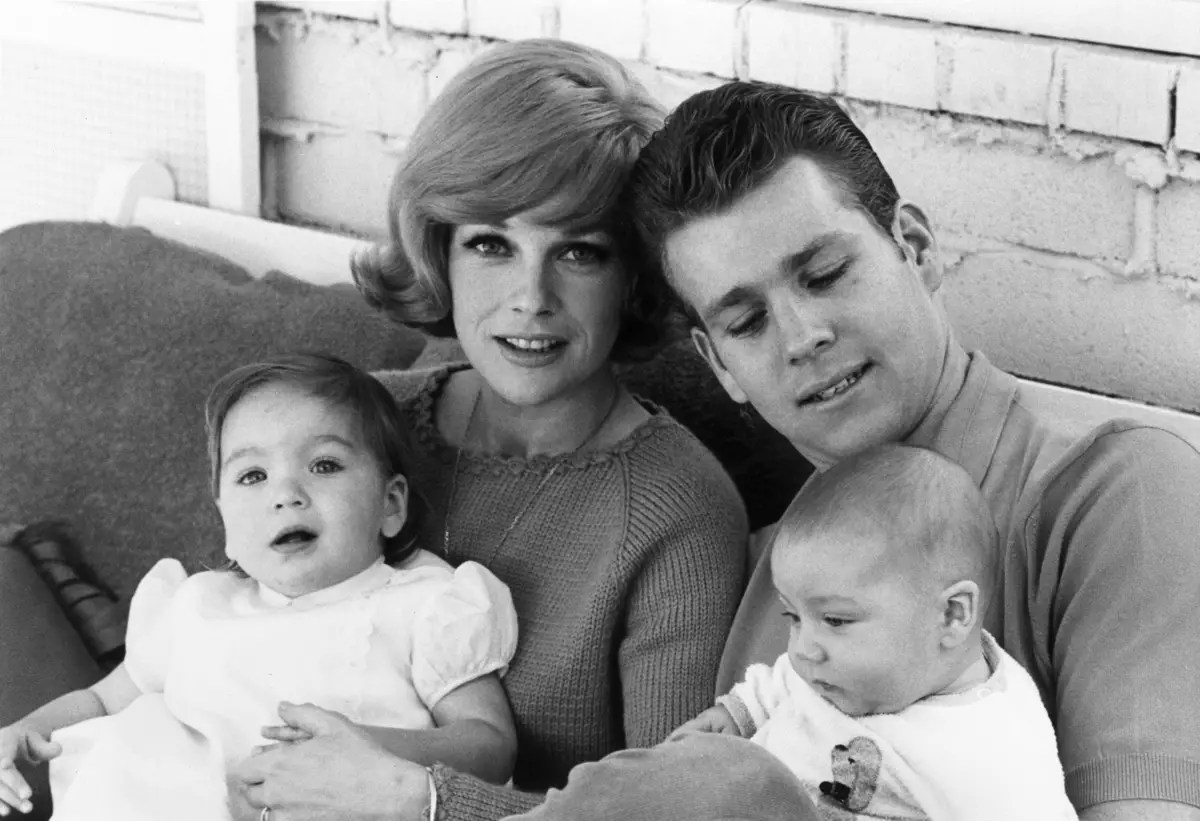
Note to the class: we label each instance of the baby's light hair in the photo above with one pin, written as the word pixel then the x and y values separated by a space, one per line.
pixel 915 499
pixel 336 381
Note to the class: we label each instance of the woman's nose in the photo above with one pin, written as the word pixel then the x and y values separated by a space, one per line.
pixel 535 293
pixel 804 331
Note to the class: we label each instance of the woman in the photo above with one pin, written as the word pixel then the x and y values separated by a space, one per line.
pixel 619 535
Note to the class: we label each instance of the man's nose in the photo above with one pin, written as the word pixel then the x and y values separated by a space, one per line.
pixel 535 293
pixel 805 329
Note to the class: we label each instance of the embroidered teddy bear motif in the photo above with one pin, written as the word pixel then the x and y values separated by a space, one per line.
pixel 856 770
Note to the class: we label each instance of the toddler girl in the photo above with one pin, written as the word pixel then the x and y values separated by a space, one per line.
pixel 325 600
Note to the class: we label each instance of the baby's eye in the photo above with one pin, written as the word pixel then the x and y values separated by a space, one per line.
pixel 326 466
pixel 836 621
pixel 791 617
pixel 250 477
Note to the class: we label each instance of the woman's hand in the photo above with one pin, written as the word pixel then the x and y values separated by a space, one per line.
pixel 19 742
pixel 715 719
pixel 333 771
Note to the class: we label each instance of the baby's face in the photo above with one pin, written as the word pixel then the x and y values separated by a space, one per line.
pixel 304 503
pixel 865 630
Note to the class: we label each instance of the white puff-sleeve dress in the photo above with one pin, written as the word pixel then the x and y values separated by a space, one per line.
pixel 215 653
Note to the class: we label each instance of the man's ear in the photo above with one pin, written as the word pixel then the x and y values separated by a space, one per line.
pixel 914 235
pixel 395 506
pixel 960 612
pixel 708 350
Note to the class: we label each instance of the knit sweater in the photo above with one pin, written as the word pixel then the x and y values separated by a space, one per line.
pixel 625 565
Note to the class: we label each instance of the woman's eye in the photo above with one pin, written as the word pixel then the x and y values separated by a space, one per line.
pixel 326 466
pixel 488 245
pixel 250 477
pixel 585 254
pixel 825 280
pixel 747 324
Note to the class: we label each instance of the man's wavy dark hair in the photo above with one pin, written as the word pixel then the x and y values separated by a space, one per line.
pixel 720 144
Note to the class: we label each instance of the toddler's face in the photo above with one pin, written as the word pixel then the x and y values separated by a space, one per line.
pixel 304 504
pixel 865 630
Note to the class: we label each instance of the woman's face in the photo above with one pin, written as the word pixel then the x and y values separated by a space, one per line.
pixel 536 308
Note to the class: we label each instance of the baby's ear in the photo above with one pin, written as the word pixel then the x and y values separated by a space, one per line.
pixel 395 506
pixel 961 612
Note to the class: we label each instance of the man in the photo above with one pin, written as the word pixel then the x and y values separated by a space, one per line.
pixel 811 289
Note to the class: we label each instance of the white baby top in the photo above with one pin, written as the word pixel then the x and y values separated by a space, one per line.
pixel 215 653
pixel 986 754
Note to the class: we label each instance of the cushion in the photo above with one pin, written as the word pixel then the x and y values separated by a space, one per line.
pixel 111 340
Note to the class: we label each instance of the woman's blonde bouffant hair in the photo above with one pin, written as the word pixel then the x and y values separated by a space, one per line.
pixel 523 124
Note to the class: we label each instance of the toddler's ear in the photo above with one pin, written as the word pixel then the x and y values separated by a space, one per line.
pixel 395 506
pixel 961 612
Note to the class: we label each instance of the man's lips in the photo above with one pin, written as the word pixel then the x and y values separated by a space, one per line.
pixel 833 387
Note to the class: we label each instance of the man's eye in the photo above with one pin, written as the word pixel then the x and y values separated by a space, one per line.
pixel 747 324
pixel 825 280
pixel 250 477
pixel 326 466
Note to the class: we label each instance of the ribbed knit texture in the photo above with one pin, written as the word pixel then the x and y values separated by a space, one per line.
pixel 625 570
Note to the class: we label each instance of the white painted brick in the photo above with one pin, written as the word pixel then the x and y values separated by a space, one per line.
pixel 671 89
pixel 693 35
pixel 615 26
pixel 337 181
pixel 1187 108
pixel 1178 229
pixel 1117 93
pixel 449 16
pixel 512 19
pixel 991 188
pixel 1064 321
pixel 1004 78
pixel 794 46
pixel 891 62
pixel 344 74
pixel 356 9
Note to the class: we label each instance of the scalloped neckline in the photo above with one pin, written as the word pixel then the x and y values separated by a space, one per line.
pixel 476 461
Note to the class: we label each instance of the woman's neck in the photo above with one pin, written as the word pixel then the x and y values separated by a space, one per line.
pixel 562 425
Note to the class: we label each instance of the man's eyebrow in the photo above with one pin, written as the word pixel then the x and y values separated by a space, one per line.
pixel 789 264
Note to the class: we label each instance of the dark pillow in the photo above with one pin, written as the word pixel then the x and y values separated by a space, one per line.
pixel 110 340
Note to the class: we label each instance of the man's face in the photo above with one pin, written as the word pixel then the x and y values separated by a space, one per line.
pixel 814 315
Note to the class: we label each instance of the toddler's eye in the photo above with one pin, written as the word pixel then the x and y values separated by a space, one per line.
pixel 250 477
pixel 326 466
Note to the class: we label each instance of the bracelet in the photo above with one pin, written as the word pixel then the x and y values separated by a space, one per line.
pixel 432 794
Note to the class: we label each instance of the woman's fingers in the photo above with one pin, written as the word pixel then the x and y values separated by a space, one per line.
pixel 285 733
pixel 41 748
pixel 14 792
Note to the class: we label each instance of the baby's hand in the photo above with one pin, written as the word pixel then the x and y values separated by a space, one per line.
pixel 17 743
pixel 715 719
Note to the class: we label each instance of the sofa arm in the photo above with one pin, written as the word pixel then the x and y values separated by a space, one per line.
pixel 41 655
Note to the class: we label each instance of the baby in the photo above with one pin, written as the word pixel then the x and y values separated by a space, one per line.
pixel 326 600
pixel 892 701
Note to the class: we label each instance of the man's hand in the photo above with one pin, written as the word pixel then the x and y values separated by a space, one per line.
pixel 327 770
pixel 715 719
pixel 19 742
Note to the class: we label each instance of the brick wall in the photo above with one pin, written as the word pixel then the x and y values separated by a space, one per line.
pixel 1063 177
